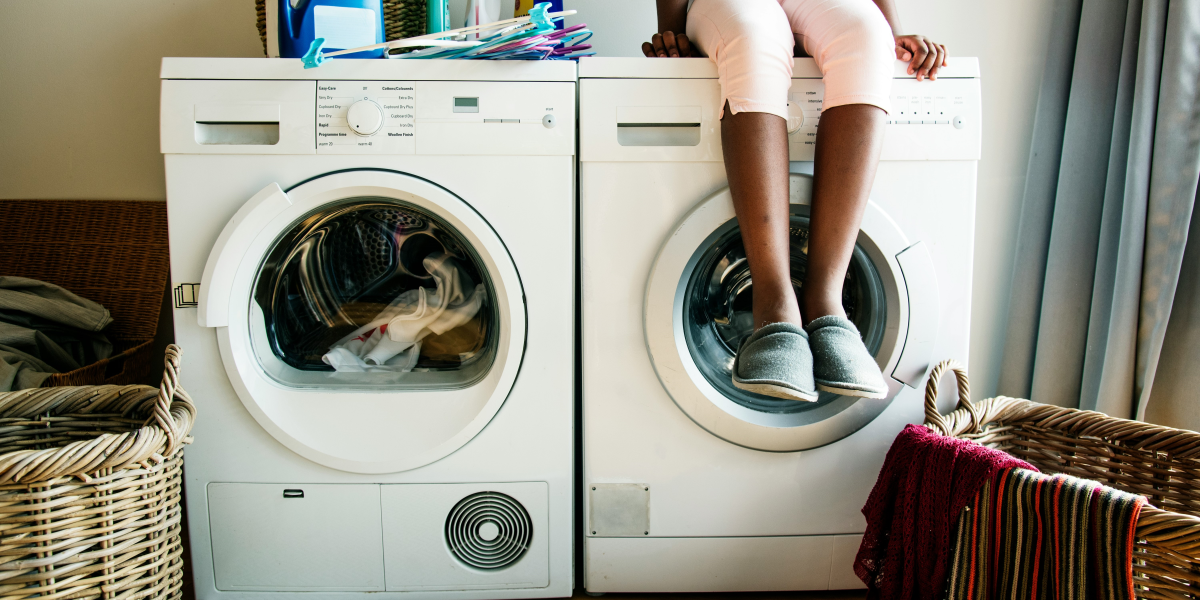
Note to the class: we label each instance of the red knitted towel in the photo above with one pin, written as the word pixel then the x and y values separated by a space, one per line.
pixel 925 482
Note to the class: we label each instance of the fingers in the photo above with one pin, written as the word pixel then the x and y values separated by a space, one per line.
pixel 670 45
pixel 659 49
pixel 920 51
pixel 685 45
pixel 902 53
pixel 931 60
pixel 938 62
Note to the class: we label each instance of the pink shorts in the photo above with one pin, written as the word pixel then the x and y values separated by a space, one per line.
pixel 751 41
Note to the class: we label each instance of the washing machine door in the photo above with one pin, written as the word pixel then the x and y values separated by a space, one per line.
pixel 369 320
pixel 697 312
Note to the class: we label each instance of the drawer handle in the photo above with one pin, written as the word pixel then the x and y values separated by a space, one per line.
pixel 293 493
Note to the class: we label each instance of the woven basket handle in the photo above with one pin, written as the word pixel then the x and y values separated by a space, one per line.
pixel 166 394
pixel 932 416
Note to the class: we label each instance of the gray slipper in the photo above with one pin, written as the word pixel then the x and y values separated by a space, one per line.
pixel 841 363
pixel 775 361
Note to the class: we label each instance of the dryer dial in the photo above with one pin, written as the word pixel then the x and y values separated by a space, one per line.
pixel 365 117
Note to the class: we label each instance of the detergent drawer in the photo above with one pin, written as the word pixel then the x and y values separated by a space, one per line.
pixel 296 537
pixel 238 117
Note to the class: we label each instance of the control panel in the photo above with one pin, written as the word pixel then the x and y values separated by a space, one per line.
pixel 366 117
pixel 924 115
pixel 444 117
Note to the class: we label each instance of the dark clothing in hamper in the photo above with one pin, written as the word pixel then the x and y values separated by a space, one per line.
pixel 45 329
pixel 1023 534
pixel 925 482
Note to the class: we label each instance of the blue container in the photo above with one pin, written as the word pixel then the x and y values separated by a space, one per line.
pixel 437 16
pixel 343 23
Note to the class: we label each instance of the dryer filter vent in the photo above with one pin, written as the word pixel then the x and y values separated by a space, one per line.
pixel 489 530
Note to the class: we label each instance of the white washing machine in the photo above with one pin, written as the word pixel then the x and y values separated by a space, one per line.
pixel 690 483
pixel 304 205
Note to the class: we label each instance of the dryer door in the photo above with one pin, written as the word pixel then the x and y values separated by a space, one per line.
pixel 370 321
pixel 697 312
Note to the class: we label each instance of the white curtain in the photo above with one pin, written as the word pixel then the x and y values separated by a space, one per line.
pixel 1105 306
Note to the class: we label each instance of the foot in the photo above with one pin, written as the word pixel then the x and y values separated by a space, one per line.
pixel 841 363
pixel 776 361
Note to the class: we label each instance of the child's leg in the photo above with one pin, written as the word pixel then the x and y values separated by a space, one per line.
pixel 751 43
pixel 848 142
pixel 853 46
pixel 756 162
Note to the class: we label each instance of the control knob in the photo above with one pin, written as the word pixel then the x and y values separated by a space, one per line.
pixel 365 117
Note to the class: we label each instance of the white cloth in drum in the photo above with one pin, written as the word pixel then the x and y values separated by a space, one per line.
pixel 392 340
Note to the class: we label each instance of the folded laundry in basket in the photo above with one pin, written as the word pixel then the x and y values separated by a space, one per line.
pixel 1031 535
pixel 392 340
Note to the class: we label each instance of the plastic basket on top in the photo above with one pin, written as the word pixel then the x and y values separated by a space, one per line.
pixel 90 487
pixel 1160 463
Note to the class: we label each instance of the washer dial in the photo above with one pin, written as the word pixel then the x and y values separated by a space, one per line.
pixel 365 117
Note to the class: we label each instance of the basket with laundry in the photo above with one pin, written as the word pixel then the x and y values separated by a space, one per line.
pixel 1008 498
pixel 81 288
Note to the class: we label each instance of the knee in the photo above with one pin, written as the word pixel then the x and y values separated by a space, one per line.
pixel 867 34
pixel 753 36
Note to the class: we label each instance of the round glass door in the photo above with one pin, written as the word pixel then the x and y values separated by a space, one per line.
pixel 697 312
pixel 370 321
pixel 719 295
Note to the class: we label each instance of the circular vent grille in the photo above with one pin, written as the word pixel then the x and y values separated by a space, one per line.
pixel 489 530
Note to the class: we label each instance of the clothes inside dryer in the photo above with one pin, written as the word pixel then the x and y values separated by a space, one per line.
pixel 719 296
pixel 370 290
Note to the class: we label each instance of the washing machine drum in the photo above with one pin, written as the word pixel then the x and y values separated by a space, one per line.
pixel 698 312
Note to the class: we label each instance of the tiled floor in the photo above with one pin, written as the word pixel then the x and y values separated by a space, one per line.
pixel 843 595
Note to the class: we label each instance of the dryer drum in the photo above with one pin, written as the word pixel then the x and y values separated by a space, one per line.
pixel 719 296
pixel 337 268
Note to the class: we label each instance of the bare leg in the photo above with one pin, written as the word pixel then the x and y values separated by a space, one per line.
pixel 849 139
pixel 756 161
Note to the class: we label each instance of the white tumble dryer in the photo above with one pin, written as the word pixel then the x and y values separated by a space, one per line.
pixel 689 483
pixel 418 217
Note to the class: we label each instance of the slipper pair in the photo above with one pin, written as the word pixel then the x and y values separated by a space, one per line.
pixel 786 361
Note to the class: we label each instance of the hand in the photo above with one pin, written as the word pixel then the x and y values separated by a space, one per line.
pixel 669 44
pixel 923 56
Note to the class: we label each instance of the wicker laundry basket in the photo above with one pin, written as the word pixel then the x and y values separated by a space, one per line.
pixel 90 481
pixel 1160 463
pixel 109 251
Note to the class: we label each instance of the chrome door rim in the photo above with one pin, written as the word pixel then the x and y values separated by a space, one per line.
pixel 663 316
pixel 328 426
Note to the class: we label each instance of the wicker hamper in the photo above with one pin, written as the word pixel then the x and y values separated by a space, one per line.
pixel 1160 463
pixel 90 481
pixel 109 251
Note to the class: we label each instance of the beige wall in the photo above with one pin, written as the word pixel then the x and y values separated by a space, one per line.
pixel 80 102
pixel 80 80
pixel 1010 40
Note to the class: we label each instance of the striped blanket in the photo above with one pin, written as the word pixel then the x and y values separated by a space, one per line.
pixel 1031 535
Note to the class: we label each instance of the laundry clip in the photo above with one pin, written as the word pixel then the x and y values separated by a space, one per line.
pixel 539 17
